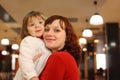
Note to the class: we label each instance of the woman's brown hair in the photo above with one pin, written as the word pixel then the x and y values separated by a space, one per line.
pixel 72 43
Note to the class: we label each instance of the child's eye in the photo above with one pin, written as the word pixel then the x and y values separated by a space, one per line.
pixel 31 25
pixel 41 22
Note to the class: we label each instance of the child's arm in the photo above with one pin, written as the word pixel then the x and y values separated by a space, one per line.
pixel 36 57
pixel 28 48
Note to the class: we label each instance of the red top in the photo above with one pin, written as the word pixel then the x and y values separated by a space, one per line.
pixel 60 66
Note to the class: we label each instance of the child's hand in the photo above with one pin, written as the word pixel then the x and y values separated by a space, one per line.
pixel 36 57
pixel 34 78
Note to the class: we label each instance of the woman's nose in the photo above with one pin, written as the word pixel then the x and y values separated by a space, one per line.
pixel 50 32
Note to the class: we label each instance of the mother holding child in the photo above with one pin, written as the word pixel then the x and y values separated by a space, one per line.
pixel 63 61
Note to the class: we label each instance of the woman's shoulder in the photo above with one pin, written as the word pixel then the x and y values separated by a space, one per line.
pixel 61 55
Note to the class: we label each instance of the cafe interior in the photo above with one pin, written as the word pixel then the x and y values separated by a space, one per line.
pixel 96 23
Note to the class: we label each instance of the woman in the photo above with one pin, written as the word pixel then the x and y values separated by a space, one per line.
pixel 61 39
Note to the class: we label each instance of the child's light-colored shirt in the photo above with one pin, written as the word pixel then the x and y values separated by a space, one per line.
pixel 29 47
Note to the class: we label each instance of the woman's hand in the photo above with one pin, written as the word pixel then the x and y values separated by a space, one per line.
pixel 36 57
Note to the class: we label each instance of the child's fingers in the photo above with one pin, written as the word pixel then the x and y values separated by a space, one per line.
pixel 37 56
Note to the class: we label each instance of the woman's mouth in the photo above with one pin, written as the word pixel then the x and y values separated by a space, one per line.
pixel 49 39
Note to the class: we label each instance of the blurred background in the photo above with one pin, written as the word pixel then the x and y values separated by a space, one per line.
pixel 100 44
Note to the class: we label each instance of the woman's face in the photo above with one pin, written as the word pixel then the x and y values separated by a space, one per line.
pixel 54 36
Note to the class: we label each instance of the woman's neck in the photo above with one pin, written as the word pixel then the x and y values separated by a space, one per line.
pixel 54 51
pixel 63 49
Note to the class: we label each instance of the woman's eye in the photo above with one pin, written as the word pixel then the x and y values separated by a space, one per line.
pixel 56 30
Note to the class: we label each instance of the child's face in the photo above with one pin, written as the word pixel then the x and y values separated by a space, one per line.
pixel 35 26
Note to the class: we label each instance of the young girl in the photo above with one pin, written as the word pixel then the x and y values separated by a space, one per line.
pixel 32 45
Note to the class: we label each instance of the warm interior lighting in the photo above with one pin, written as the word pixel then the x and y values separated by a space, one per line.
pixel 101 61
pixel 15 46
pixel 96 41
pixel 4 52
pixel 113 44
pixel 87 33
pixel 5 41
pixel 82 41
pixel 84 49
pixel 96 18
pixel 14 56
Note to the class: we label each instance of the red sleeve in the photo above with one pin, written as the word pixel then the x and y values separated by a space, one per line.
pixel 54 69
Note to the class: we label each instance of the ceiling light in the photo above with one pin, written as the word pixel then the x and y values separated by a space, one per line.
pixel 96 41
pixel 96 18
pixel 82 41
pixel 87 33
pixel 4 52
pixel 15 46
pixel 5 41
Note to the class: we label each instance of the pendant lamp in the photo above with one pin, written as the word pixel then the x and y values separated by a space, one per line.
pixel 96 18
pixel 5 41
pixel 15 46
pixel 87 32
pixel 82 41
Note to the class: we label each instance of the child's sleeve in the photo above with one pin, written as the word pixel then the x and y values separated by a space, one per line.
pixel 27 52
